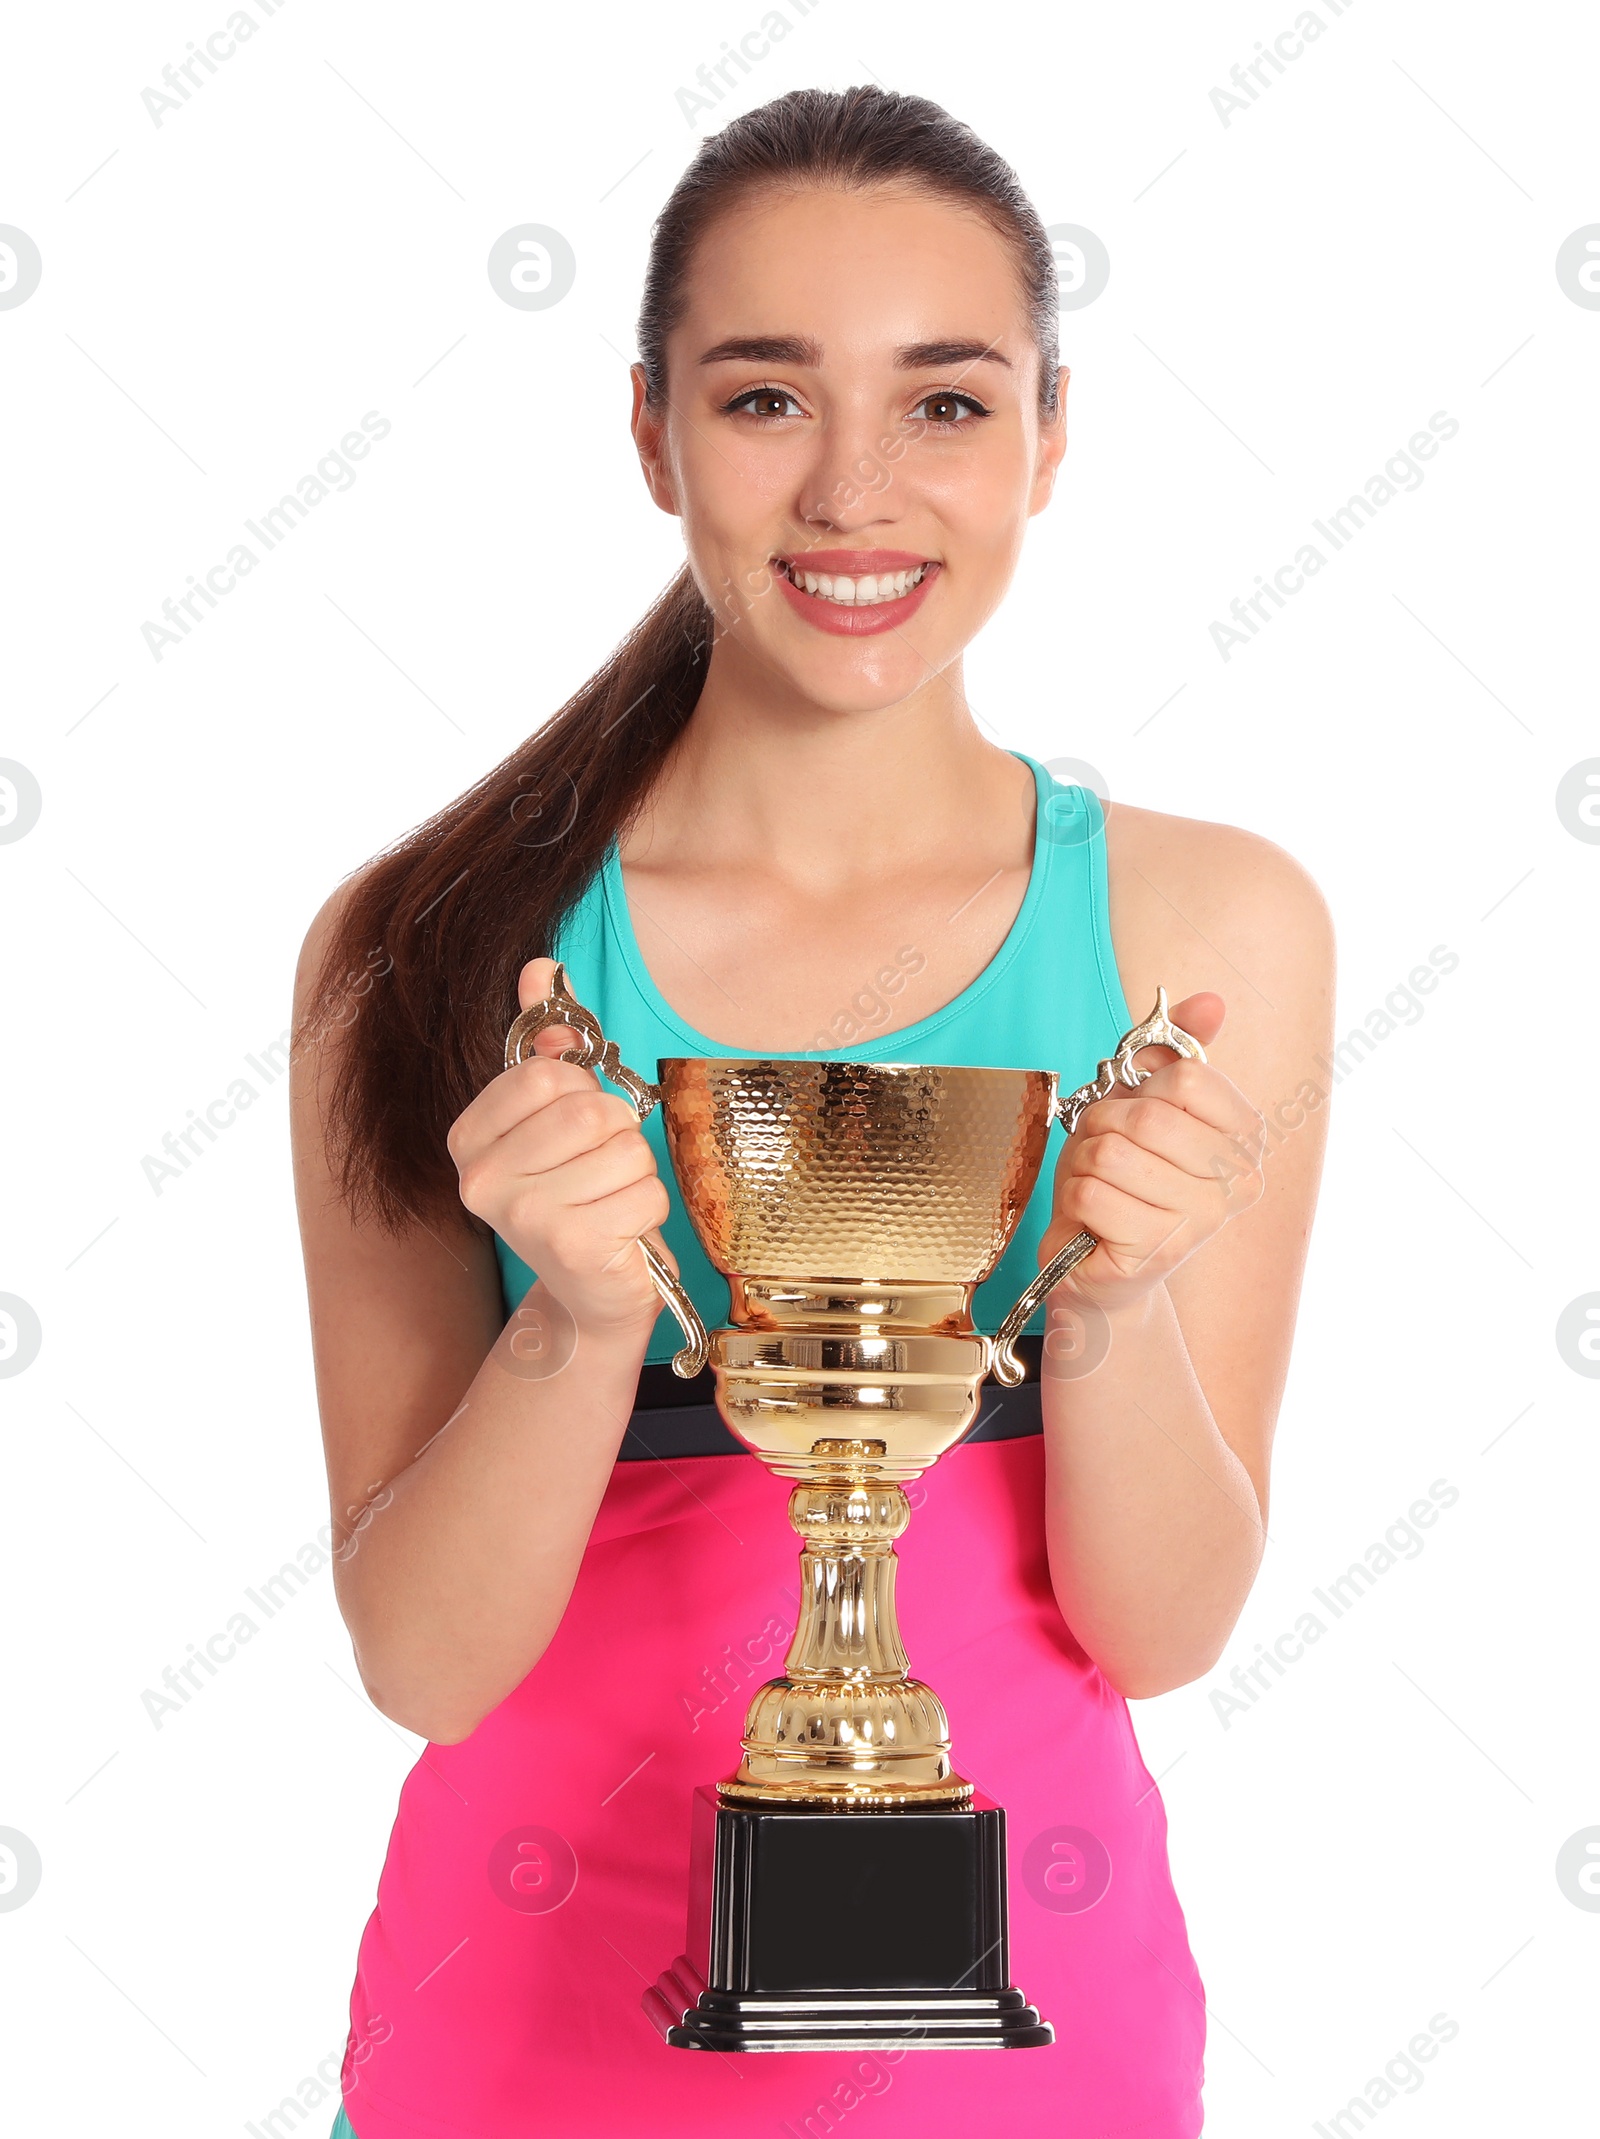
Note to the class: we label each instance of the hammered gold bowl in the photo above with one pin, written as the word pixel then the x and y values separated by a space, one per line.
pixel 855 1170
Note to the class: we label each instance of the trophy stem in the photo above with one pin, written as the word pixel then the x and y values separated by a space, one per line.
pixel 847 1725
pixel 847 1630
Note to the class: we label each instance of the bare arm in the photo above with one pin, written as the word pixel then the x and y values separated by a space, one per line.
pixel 464 1475
pixel 1158 1459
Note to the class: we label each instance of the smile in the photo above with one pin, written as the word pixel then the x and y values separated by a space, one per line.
pixel 853 593
pixel 863 592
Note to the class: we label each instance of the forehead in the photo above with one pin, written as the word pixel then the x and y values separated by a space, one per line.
pixel 861 272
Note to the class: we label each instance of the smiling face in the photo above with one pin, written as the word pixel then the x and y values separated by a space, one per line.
pixel 851 436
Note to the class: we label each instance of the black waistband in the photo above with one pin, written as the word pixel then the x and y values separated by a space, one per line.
pixel 673 1418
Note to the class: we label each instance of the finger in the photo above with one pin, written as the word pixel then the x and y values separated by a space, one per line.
pixel 554 1041
pixel 1203 1090
pixel 534 983
pixel 591 1176
pixel 515 1095
pixel 1156 1181
pixel 1200 1016
pixel 617 1223
pixel 1200 1089
pixel 1121 1223
pixel 652 1234
pixel 574 1122
pixel 1182 1129
pixel 1167 1132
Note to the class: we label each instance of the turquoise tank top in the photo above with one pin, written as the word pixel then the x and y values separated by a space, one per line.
pixel 1049 999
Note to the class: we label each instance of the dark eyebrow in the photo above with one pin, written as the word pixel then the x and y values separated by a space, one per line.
pixel 802 349
pixel 765 349
pixel 926 356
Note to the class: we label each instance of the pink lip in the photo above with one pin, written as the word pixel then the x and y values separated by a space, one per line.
pixel 855 562
pixel 850 622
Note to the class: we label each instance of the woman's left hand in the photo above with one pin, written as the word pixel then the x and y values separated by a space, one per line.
pixel 1153 1174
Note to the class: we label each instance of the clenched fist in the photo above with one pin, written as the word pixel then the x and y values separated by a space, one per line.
pixel 1156 1172
pixel 561 1169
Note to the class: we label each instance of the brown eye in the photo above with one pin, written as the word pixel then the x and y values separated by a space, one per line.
pixel 767 403
pixel 948 410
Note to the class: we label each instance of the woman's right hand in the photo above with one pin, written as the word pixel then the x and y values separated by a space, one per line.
pixel 562 1171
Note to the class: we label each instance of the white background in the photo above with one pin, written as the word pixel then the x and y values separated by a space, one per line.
pixel 1292 295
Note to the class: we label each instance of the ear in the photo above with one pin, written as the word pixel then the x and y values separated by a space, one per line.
pixel 1052 446
pixel 649 427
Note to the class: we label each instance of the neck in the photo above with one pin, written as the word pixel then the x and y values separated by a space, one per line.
pixel 764 774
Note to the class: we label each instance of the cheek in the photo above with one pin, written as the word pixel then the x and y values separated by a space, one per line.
pixel 731 499
pixel 709 509
pixel 983 506
pixel 731 526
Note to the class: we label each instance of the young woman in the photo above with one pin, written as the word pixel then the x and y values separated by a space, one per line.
pixel 771 825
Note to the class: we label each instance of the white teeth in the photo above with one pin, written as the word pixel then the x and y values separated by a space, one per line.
pixel 869 589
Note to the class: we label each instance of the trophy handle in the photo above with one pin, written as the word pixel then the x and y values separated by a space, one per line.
pixel 594 1051
pixel 1157 1030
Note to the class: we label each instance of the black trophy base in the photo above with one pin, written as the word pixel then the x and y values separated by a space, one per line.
pixel 820 1928
pixel 691 2017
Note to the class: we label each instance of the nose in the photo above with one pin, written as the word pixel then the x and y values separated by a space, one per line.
pixel 851 483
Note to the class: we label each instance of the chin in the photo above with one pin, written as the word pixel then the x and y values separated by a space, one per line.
pixel 780 650
pixel 858 680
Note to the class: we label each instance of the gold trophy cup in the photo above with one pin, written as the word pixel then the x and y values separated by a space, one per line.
pixel 854 1208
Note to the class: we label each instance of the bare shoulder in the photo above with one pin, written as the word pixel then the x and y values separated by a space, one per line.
pixel 1219 871
pixel 1197 905
pixel 328 994
pixel 321 932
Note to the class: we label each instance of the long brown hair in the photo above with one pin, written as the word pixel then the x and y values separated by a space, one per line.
pixel 421 962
